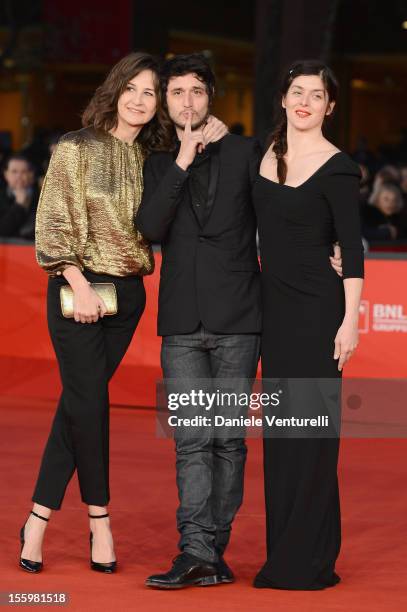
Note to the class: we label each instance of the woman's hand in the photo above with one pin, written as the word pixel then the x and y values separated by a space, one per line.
pixel 87 305
pixel 346 341
pixel 214 130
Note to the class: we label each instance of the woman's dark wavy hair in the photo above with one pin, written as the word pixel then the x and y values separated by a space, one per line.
pixel 101 112
pixel 278 138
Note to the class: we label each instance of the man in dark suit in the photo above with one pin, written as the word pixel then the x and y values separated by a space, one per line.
pixel 197 204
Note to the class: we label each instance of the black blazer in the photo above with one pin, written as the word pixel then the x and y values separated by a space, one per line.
pixel 209 274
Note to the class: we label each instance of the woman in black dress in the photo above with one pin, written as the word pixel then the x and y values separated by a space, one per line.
pixel 306 197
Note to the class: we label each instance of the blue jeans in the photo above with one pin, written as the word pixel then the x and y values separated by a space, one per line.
pixel 209 464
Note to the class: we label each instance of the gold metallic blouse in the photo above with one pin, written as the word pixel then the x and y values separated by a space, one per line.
pixel 88 202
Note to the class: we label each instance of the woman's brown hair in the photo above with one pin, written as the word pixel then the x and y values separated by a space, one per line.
pixel 101 112
pixel 278 138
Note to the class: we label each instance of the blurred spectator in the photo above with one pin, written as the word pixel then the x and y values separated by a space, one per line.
pixel 364 190
pixel 403 187
pixel 5 152
pixel 18 199
pixel 382 220
pixel 387 174
pixel 403 181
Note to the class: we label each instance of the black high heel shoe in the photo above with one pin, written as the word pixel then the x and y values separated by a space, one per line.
pixel 30 566
pixel 105 568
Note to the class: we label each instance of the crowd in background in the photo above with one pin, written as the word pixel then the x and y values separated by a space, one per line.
pixel 21 177
pixel 383 191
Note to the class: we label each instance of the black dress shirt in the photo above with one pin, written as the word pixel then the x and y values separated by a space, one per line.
pixel 198 185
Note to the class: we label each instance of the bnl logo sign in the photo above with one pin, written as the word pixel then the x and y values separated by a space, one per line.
pixel 382 317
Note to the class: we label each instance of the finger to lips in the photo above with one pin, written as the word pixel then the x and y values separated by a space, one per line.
pixel 188 128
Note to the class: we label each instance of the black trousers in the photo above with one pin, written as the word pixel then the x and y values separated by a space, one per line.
pixel 88 355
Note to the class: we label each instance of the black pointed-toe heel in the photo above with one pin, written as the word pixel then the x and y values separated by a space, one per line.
pixel 105 568
pixel 30 566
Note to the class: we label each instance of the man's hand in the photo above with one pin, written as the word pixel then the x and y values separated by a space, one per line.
pixel 189 144
pixel 336 260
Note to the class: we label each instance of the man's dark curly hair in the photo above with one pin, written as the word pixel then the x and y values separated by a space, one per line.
pixel 179 65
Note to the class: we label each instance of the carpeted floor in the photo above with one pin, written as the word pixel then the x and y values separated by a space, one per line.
pixel 373 566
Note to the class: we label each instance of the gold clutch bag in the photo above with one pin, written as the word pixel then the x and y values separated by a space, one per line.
pixel 107 291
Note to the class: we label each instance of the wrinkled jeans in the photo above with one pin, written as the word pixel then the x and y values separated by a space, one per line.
pixel 209 463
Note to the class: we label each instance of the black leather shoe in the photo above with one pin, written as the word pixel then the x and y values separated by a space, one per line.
pixel 224 572
pixel 187 570
pixel 105 568
pixel 30 566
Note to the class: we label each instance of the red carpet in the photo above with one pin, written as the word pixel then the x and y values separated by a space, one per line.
pixel 374 502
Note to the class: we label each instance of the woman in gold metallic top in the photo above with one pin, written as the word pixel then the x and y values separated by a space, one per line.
pixel 86 233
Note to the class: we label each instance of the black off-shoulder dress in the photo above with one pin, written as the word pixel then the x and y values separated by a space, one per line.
pixel 303 306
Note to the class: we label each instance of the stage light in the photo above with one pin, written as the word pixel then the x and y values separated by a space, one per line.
pixel 404 25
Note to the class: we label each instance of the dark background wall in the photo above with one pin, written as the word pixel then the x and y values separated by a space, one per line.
pixel 54 54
